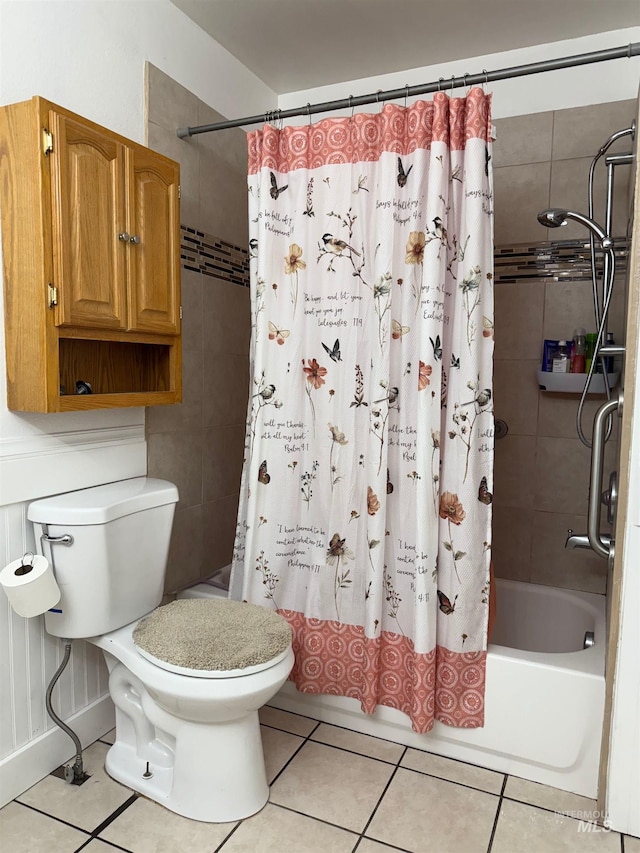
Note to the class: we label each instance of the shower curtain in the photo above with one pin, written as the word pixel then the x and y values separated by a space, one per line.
pixel 365 508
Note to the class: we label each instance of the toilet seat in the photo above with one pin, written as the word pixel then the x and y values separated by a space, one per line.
pixel 211 673
pixel 208 638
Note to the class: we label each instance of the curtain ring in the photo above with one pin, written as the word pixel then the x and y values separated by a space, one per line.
pixel 486 80
pixel 309 113
pixel 440 81
pixel 466 85
pixel 453 77
pixel 378 97
pixel 352 108
pixel 406 94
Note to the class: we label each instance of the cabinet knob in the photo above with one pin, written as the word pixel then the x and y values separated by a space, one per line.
pixel 134 239
pixel 124 237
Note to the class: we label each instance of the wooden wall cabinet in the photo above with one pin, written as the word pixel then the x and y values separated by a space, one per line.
pixel 91 262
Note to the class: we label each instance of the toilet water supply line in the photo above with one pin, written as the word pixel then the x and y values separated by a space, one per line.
pixel 74 773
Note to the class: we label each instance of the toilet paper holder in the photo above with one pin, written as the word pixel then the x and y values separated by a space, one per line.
pixel 24 568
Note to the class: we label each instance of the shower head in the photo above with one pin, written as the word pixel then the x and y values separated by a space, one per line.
pixel 555 217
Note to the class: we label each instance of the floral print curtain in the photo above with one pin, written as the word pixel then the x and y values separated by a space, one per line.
pixel 365 511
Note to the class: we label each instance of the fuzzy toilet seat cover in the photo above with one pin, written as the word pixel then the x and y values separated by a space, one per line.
pixel 204 634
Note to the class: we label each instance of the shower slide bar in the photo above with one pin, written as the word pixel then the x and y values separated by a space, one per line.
pixel 632 49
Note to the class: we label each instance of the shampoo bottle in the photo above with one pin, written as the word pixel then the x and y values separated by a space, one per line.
pixel 578 360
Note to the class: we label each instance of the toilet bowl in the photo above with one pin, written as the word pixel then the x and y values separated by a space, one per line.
pixel 189 742
pixel 186 737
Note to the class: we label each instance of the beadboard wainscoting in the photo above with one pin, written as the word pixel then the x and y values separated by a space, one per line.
pixel 30 743
pixel 35 465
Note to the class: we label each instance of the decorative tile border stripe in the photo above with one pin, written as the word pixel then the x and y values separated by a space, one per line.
pixel 210 256
pixel 567 260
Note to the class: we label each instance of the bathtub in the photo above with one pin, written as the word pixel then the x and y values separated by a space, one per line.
pixel 544 693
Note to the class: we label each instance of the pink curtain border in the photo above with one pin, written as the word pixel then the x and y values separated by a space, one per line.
pixel 338 659
pixel 366 135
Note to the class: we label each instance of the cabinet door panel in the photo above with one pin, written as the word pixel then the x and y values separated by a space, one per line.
pixel 154 261
pixel 88 215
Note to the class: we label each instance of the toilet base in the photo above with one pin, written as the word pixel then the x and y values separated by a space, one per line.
pixel 217 774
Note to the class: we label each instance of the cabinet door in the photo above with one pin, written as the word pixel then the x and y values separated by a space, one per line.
pixel 89 216
pixel 154 257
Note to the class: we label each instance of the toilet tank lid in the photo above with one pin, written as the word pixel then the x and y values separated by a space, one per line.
pixel 101 504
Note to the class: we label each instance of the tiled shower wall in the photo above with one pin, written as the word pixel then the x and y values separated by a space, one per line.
pixel 198 445
pixel 541 468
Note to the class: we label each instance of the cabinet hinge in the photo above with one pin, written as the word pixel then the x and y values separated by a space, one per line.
pixel 53 295
pixel 47 141
pixel 179 191
pixel 181 312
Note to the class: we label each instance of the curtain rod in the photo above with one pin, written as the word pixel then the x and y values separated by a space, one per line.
pixel 628 51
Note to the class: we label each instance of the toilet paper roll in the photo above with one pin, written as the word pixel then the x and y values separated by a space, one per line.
pixel 30 585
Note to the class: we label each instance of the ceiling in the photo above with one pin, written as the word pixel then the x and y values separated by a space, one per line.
pixel 300 44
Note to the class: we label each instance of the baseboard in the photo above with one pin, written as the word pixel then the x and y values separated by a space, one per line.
pixel 33 761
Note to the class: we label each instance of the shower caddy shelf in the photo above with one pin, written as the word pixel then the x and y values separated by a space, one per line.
pixel 91 262
pixel 573 383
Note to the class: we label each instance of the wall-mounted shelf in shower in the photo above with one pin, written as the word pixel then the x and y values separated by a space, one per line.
pixel 573 383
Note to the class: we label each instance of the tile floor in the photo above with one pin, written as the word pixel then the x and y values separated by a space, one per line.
pixel 332 791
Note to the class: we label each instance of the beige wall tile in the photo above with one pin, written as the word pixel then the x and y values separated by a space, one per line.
pixel 177 457
pixel 515 471
pixel 223 199
pixel 554 565
pixel 188 414
pixel 192 307
pixel 520 193
pixel 511 542
pixel 567 306
pixel 518 320
pixel 184 567
pixel 222 461
pixel 169 104
pixel 227 317
pixel 557 415
pixel 515 398
pixel 230 145
pixel 219 519
pixel 562 481
pixel 568 190
pixel 226 389
pixel 523 139
pixel 579 132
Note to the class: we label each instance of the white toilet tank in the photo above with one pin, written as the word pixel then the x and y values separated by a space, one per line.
pixel 113 573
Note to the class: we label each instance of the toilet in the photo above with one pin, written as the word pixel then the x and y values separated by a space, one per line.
pixel 187 728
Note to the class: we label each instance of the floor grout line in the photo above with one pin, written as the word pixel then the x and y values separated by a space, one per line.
pixel 386 788
pixel 53 817
pixel 115 814
pixel 497 814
